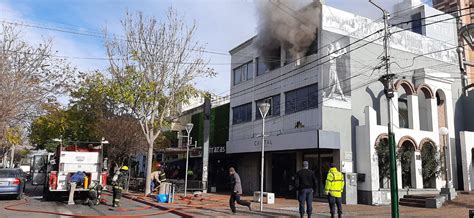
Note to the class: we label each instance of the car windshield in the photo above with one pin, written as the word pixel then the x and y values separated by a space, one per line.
pixel 8 173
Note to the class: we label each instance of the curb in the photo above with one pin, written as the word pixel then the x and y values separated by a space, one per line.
pixel 172 210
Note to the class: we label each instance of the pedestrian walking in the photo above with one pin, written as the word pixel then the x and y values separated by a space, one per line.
pixel 236 188
pixel 118 184
pixel 334 188
pixel 306 185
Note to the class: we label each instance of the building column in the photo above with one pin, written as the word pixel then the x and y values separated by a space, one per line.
pixel 413 112
pixel 268 172
pixel 451 168
pixel 394 111
pixel 434 115
pixel 416 170
pixel 399 175
pixel 440 179
pixel 466 159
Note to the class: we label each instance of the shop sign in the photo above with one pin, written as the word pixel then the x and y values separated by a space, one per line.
pixel 218 149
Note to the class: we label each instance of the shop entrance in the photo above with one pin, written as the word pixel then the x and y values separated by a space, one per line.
pixel 321 172
pixel 283 174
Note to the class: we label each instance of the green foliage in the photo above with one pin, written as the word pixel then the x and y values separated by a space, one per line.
pixel 47 127
pixel 406 153
pixel 78 123
pixel 219 133
pixel 198 130
pixel 13 136
pixel 406 156
pixel 430 160
pixel 219 126
pixel 383 154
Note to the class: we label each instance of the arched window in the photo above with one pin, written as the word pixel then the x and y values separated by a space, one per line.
pixel 424 107
pixel 430 163
pixel 441 103
pixel 403 118
pixel 404 89
pixel 406 155
pixel 383 156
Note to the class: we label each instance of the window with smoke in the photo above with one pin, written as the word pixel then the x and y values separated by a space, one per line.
pixel 288 27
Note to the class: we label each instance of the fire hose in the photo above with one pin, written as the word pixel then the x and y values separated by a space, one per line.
pixel 190 203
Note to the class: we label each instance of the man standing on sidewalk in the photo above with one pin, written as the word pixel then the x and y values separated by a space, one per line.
pixel 305 184
pixel 333 189
pixel 236 188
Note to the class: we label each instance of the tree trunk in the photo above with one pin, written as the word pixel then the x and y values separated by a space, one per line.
pixel 148 168
pixel 12 157
pixel 129 173
pixel 5 155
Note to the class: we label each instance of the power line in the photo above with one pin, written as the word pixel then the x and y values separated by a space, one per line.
pixel 96 35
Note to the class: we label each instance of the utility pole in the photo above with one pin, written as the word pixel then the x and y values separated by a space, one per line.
pixel 387 81
pixel 205 148
pixel 460 51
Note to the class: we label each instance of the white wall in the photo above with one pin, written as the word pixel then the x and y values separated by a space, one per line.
pixel 467 144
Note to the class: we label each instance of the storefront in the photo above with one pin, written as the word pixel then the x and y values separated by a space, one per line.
pixel 219 164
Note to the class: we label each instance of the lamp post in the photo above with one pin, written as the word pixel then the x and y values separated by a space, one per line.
pixel 466 33
pixel 60 140
pixel 189 128
pixel 263 108
pixel 443 131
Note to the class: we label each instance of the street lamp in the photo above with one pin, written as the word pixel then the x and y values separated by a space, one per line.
pixel 189 128
pixel 263 108
pixel 60 140
pixel 467 33
pixel 443 131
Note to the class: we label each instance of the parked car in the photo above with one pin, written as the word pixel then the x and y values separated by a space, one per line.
pixel 12 182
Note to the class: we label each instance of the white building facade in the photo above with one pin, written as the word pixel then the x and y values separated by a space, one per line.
pixel 329 107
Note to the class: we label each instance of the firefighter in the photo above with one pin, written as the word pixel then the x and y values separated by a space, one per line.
pixel 157 177
pixel 333 189
pixel 77 179
pixel 95 194
pixel 118 183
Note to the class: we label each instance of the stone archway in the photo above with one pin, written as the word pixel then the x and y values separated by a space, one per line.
pixel 406 155
pixel 430 163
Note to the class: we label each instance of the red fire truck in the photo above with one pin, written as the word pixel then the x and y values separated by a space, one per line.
pixel 68 160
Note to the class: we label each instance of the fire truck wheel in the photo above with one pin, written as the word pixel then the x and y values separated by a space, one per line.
pixel 47 195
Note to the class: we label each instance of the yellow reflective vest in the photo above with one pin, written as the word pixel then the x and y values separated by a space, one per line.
pixel 334 183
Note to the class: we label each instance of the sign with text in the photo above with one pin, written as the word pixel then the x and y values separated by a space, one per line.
pixel 217 150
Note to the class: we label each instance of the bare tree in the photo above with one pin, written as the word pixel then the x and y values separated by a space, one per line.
pixel 29 76
pixel 153 68
pixel 125 137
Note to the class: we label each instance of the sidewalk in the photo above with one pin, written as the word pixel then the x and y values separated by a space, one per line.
pixel 216 205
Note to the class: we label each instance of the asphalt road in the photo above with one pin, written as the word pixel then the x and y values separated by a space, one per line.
pixel 34 201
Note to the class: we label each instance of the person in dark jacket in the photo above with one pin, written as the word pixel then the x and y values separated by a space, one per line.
pixel 305 184
pixel 236 188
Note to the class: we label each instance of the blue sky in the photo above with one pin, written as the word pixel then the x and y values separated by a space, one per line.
pixel 222 25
